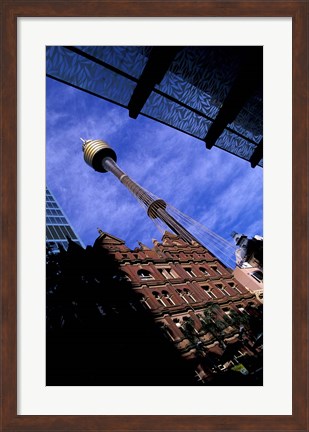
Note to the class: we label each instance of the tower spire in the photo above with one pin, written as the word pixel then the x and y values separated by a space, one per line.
pixel 100 231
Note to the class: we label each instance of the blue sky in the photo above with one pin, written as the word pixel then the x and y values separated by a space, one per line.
pixel 213 187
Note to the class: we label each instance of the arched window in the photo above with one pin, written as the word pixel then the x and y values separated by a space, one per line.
pixel 182 295
pixel 189 294
pixel 241 308
pixel 188 324
pixel 215 269
pixel 144 274
pixel 158 297
pixel 227 311
pixel 144 301
pixel 204 271
pixel 235 287
pixel 121 276
pixel 177 322
pixel 168 298
pixel 166 330
pixel 208 291
pixel 223 290
pixel 185 324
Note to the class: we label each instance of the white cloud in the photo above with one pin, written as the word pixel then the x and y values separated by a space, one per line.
pixel 215 188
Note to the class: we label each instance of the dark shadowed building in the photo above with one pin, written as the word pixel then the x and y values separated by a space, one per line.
pixel 170 315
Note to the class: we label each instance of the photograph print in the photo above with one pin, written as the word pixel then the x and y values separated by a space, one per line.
pixel 154 216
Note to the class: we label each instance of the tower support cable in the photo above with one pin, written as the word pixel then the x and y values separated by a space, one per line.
pixel 102 158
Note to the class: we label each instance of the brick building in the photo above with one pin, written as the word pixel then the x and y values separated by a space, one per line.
pixel 212 319
pixel 168 315
pixel 249 257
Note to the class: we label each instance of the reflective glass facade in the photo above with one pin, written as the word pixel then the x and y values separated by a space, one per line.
pixel 57 226
pixel 196 88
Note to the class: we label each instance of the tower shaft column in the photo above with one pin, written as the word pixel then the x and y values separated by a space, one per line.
pixel 110 165
pixel 102 158
pixel 159 205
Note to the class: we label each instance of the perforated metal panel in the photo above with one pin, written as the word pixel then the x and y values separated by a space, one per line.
pixel 189 97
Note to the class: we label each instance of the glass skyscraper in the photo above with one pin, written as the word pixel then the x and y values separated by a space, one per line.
pixel 58 228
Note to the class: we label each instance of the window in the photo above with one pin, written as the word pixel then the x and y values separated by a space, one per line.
pixel 168 273
pixel 208 291
pixel 168 298
pixel 54 233
pixel 221 367
pixel 227 311
pixel 144 274
pixel 71 233
pixel 181 295
pixel 232 285
pixel 144 301
pixel 189 271
pixel 198 375
pixel 166 329
pixel 188 326
pixel 222 289
pixel 240 308
pixel 159 298
pixel 257 275
pixel 188 294
pixel 177 322
pixel 65 231
pixel 121 276
pixel 240 354
pixel 204 271
pixel 215 269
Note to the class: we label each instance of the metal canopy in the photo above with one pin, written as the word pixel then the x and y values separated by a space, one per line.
pixel 211 93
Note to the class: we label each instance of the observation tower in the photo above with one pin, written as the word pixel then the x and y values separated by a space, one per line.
pixel 102 158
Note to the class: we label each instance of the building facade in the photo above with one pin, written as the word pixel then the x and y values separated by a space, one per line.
pixel 203 310
pixel 58 228
pixel 251 278
pixel 249 259
pixel 168 315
